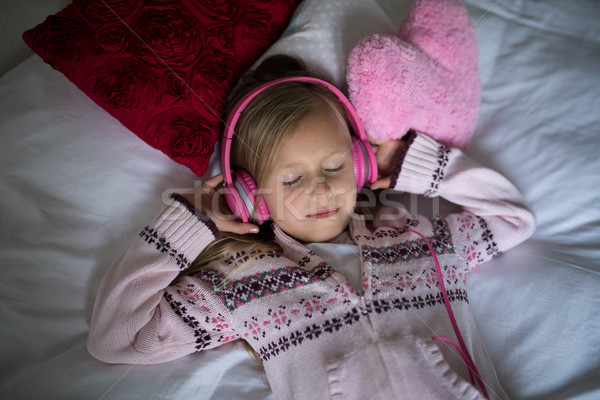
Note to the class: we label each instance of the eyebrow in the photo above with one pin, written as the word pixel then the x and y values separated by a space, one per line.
pixel 330 154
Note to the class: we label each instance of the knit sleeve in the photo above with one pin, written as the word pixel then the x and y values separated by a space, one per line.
pixel 494 217
pixel 137 317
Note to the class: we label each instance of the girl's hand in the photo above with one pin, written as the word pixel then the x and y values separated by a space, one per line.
pixel 387 154
pixel 208 199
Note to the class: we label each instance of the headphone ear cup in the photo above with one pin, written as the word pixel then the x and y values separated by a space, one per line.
pixel 242 198
pixel 365 163
pixel 236 203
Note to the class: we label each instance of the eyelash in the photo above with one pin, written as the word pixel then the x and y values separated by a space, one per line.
pixel 327 170
pixel 292 183
pixel 334 170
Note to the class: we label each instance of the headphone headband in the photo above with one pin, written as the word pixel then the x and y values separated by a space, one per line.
pixel 239 108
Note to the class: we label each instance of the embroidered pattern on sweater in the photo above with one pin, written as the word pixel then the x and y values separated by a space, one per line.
pixel 468 223
pixel 204 338
pixel 491 247
pixel 249 288
pixel 281 317
pixel 151 236
pixel 316 330
pixel 411 222
pixel 438 173
pixel 409 281
pixel 441 242
pixel 242 257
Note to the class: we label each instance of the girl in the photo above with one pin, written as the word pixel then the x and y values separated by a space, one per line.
pixel 196 277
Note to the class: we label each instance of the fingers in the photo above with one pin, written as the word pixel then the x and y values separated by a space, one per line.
pixel 213 182
pixel 240 228
pixel 386 154
pixel 208 198
pixel 224 219
pixel 227 222
pixel 206 187
pixel 383 183
pixel 373 140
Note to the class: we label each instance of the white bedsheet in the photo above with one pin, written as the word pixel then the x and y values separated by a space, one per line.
pixel 76 187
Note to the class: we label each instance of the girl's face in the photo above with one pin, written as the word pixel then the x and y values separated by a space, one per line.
pixel 311 191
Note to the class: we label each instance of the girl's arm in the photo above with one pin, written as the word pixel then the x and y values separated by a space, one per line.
pixel 134 320
pixel 494 219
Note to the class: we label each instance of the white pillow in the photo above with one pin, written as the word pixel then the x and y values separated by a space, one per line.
pixel 322 33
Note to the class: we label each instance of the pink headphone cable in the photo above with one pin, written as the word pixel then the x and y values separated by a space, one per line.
pixel 462 348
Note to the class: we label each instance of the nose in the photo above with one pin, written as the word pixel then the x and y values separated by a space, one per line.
pixel 320 188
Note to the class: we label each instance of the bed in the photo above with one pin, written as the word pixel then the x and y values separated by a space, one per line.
pixel 77 186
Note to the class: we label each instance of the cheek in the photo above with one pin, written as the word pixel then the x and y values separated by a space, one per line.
pixel 345 197
pixel 345 186
pixel 350 201
pixel 285 204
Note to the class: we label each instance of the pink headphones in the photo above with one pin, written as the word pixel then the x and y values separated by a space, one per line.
pixel 240 188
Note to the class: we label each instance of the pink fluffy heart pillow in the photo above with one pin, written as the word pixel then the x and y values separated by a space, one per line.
pixel 425 79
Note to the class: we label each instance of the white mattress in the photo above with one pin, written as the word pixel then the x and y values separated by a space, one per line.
pixel 76 187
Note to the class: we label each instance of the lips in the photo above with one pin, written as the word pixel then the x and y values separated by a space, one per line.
pixel 326 213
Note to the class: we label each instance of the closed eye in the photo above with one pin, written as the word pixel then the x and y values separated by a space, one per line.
pixel 292 182
pixel 334 170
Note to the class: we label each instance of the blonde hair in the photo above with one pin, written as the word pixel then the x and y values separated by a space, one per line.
pixel 266 122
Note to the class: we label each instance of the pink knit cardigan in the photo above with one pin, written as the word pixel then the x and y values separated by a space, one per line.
pixel 318 337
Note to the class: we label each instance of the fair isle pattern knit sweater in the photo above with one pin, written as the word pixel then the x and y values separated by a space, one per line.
pixel 317 337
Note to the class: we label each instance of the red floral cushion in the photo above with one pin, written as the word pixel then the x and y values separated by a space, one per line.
pixel 162 68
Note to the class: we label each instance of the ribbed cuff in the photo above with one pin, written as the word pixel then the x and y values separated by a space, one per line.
pixel 409 138
pixel 184 227
pixel 422 166
pixel 194 211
